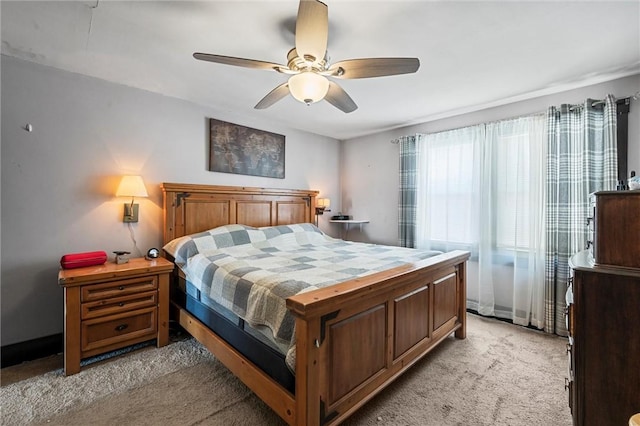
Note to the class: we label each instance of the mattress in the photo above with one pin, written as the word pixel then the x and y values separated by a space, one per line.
pixel 261 333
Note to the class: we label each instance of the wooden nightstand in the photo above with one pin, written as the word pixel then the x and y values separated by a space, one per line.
pixel 111 306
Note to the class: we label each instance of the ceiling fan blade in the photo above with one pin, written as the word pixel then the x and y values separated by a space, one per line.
pixel 337 97
pixel 273 96
pixel 312 30
pixel 374 67
pixel 239 62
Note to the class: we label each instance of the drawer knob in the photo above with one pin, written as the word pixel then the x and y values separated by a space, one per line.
pixel 121 327
pixel 121 288
pixel 121 304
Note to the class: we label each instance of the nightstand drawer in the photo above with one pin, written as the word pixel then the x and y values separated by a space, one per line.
pixel 115 305
pixel 105 331
pixel 118 288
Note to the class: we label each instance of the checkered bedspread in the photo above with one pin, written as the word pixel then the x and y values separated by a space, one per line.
pixel 251 271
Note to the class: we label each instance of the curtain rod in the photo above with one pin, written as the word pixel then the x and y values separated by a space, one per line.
pixel 516 117
pixel 635 97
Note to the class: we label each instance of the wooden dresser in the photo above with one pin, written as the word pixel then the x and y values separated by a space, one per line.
pixel 111 306
pixel 604 342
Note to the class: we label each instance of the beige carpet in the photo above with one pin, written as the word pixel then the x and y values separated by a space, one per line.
pixel 500 375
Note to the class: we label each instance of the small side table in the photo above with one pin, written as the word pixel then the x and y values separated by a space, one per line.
pixel 347 223
pixel 110 306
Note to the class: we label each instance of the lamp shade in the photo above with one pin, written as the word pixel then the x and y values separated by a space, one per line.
pixel 325 203
pixel 308 87
pixel 131 186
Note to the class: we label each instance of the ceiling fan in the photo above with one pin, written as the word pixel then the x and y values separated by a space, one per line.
pixel 308 64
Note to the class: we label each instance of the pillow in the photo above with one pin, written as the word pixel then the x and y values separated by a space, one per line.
pixel 274 231
pixel 183 248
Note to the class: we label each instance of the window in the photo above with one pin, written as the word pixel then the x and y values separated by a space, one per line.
pixel 511 180
pixel 448 168
pixel 481 186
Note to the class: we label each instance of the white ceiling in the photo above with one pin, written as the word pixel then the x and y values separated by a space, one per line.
pixel 473 54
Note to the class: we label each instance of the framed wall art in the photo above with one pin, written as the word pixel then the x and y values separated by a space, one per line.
pixel 245 151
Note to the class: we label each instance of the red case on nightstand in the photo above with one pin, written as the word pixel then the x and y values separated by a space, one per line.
pixel 79 260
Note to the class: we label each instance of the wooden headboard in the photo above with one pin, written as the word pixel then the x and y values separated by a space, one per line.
pixel 190 208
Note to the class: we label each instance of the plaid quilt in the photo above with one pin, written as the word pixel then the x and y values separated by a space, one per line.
pixel 251 271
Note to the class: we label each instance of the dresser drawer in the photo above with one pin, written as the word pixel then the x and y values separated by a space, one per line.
pixel 112 329
pixel 115 305
pixel 616 228
pixel 118 288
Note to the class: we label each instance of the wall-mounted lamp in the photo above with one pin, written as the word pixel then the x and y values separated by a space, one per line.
pixel 322 205
pixel 131 186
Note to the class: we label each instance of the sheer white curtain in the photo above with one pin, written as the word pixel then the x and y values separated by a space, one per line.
pixel 481 188
pixel 447 186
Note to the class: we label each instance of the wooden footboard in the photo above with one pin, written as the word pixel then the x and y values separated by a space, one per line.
pixel 355 338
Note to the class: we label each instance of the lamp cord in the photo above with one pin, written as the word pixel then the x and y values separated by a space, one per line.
pixel 133 238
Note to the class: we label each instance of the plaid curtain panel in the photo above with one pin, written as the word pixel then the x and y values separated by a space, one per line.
pixel 581 159
pixel 407 198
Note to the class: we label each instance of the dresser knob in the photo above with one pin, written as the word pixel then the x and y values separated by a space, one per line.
pixel 121 304
pixel 121 288
pixel 121 327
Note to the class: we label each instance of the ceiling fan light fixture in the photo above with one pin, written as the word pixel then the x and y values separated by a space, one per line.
pixel 308 87
pixel 308 64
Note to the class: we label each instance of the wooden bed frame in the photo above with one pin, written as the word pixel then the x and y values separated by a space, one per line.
pixel 353 338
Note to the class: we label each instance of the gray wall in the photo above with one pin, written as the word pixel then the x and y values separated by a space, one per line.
pixel 58 182
pixel 369 164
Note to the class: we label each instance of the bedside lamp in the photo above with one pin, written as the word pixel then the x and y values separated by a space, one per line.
pixel 131 186
pixel 322 205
